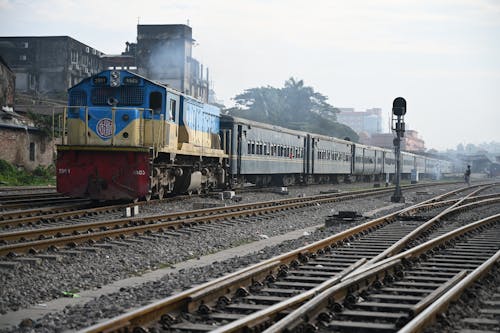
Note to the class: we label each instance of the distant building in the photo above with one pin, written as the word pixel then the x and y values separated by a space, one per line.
pixel 55 63
pixel 164 53
pixel 411 141
pixel 369 121
pixel 7 84
pixel 49 64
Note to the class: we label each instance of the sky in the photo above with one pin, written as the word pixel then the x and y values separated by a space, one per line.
pixel 442 56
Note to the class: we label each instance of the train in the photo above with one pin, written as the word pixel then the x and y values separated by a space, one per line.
pixel 126 137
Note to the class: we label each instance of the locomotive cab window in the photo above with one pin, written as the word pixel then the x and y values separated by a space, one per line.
pixel 155 101
pixel 172 109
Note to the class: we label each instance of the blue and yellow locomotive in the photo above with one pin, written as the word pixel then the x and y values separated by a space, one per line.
pixel 128 137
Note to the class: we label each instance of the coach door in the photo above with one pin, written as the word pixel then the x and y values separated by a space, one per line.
pixel 304 157
pixel 239 150
pixel 313 154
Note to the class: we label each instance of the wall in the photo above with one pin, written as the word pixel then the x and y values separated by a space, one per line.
pixel 15 147
pixel 7 85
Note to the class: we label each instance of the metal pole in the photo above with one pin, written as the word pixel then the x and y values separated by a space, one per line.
pixel 398 196
pixel 398 110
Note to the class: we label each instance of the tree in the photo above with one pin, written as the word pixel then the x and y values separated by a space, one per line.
pixel 294 106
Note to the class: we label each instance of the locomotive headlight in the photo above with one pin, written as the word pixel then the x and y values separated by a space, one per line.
pixel 114 79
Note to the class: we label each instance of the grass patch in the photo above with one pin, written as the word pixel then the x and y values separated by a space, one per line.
pixel 12 176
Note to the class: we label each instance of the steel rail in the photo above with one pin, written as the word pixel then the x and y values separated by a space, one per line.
pixel 22 217
pixel 421 248
pixel 52 201
pixel 427 316
pixel 37 212
pixel 26 188
pixel 61 215
pixel 310 309
pixel 127 226
pixel 254 318
pixel 219 286
pixel 399 245
pixel 4 198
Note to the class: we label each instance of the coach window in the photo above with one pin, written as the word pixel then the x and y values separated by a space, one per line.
pixel 155 99
pixel 249 149
pixel 265 148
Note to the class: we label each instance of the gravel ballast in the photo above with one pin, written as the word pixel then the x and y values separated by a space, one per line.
pixel 27 285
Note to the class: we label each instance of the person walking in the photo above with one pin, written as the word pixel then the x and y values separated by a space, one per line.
pixel 467 175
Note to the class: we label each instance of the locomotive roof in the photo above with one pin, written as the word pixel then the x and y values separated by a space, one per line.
pixel 157 83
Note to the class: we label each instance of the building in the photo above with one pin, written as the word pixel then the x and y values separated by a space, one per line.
pixel 49 64
pixel 164 53
pixel 411 141
pixel 369 121
pixel 7 84
pixel 24 145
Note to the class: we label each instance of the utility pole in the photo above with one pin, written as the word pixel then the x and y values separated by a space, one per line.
pixel 398 125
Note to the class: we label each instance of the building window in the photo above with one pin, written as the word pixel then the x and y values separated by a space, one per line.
pixel 32 151
pixel 25 45
pixel 22 57
pixel 32 81
pixel 74 57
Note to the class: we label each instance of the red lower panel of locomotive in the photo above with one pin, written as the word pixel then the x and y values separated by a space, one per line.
pixel 103 175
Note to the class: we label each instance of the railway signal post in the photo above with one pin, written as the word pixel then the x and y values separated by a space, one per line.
pixel 398 125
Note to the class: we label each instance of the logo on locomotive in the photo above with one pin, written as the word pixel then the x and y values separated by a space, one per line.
pixel 104 128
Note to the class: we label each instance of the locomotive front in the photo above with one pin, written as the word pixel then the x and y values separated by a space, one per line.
pixel 113 121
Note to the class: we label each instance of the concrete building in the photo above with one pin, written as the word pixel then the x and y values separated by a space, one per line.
pixel 7 84
pixel 164 53
pixel 411 141
pixel 49 64
pixel 369 121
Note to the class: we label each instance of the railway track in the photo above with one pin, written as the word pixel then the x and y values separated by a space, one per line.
pixel 19 241
pixel 34 240
pixel 255 297
pixel 4 198
pixel 49 201
pixel 60 213
pixel 10 189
